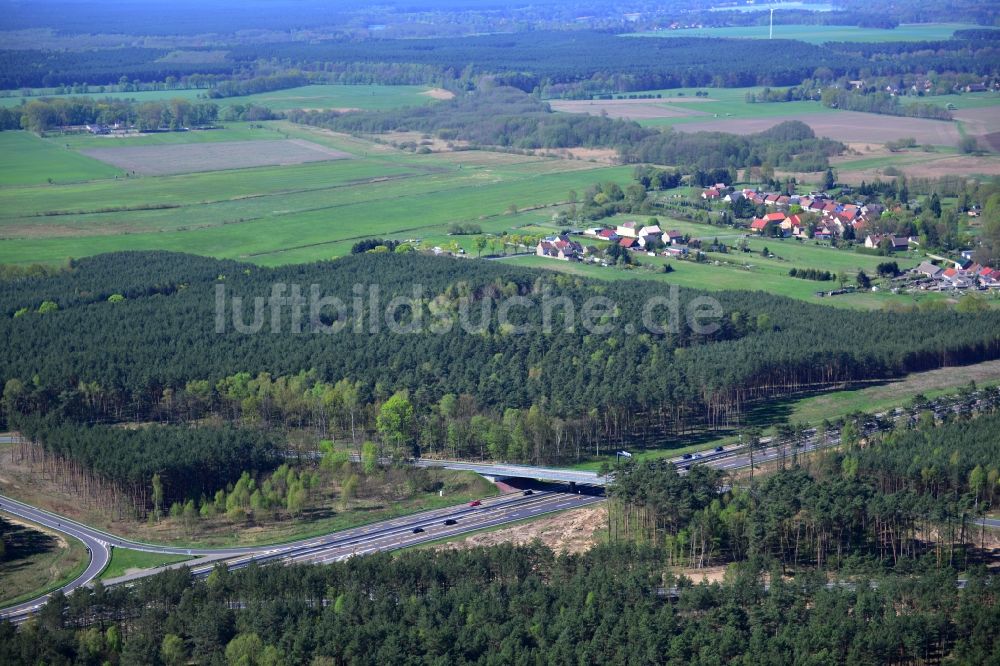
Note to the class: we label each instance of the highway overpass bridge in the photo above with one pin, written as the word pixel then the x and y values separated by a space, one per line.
pixel 501 471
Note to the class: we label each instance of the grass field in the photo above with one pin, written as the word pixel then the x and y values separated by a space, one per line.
pixel 36 561
pixel 195 157
pixel 26 159
pixel 124 560
pixel 305 97
pixel 290 213
pixel 818 34
pixel 227 132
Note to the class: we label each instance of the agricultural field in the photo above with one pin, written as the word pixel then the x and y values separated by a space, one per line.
pixel 726 110
pixel 369 98
pixel 26 159
pixel 846 126
pixel 868 162
pixel 819 34
pixel 291 213
pixel 682 106
pixel 191 157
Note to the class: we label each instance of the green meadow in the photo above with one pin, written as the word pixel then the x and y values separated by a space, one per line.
pixel 304 97
pixel 286 214
pixel 819 34
pixel 750 271
pixel 26 159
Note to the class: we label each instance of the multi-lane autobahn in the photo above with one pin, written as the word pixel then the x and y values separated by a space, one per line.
pixel 578 488
pixel 385 535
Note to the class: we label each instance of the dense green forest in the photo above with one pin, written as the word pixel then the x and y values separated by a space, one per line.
pixel 905 494
pixel 133 337
pixel 507 605
pixel 557 62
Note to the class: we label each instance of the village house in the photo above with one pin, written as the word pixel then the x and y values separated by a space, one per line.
pixel 673 237
pixel 608 235
pixel 897 243
pixel 628 230
pixel 559 247
pixel 928 269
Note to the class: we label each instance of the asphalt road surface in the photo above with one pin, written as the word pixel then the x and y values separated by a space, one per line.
pixel 384 535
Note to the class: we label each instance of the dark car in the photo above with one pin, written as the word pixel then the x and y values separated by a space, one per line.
pixel 686 456
pixel 451 521
pixel 719 449
pixel 528 492
pixel 418 530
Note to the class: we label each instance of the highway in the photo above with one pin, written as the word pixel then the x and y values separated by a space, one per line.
pixel 384 535
pixel 430 525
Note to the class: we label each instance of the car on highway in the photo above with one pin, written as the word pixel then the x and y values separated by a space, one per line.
pixel 719 449
pixel 529 491
pixel 418 530
pixel 475 503
pixel 686 456
pixel 451 521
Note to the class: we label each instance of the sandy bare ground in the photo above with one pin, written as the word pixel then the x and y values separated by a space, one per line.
pixel 846 126
pixel 573 531
pixel 633 109
pixel 703 575
pixel 438 93
pixel 192 157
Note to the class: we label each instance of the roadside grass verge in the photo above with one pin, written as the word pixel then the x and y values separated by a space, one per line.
pixel 124 559
pixel 37 561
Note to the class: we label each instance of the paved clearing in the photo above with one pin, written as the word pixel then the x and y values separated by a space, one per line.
pixel 847 126
pixel 191 157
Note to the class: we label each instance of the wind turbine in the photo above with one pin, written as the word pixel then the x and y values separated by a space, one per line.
pixel 770 31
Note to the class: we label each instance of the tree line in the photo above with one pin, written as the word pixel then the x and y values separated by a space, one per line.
pixel 513 605
pixel 906 494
